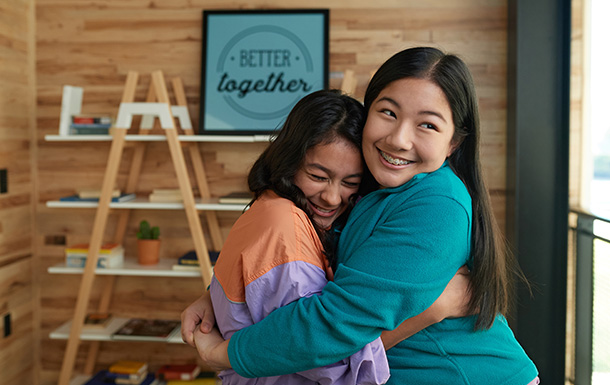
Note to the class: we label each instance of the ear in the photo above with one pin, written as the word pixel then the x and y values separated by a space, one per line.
pixel 454 145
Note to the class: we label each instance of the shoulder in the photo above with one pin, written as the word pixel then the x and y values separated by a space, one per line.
pixel 271 233
pixel 439 196
pixel 445 181
pixel 271 214
pixel 442 186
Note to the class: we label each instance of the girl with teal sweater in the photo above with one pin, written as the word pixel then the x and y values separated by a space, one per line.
pixel 401 246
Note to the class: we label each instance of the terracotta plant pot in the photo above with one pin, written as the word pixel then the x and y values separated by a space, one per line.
pixel 148 251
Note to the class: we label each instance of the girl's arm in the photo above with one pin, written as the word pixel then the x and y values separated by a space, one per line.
pixel 392 275
pixel 451 304
pixel 212 349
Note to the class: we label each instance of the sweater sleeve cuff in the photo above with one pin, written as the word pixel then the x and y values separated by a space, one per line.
pixel 234 357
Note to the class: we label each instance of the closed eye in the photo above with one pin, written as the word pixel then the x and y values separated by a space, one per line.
pixel 317 177
pixel 351 184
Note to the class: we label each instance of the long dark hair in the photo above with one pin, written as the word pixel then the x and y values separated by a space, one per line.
pixel 493 267
pixel 319 118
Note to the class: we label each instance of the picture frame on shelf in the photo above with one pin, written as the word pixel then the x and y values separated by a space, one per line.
pixel 256 65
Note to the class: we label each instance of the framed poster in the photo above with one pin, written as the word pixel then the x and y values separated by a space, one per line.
pixel 257 64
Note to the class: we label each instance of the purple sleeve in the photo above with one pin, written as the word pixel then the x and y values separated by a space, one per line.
pixel 293 280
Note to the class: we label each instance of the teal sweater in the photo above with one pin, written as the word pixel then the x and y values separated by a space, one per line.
pixel 398 251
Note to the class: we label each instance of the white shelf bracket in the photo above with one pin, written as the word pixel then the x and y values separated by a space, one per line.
pixel 180 112
pixel 151 110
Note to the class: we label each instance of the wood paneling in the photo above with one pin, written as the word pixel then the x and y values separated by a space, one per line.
pixel 93 44
pixel 15 114
pixel 17 362
pixel 18 290
pixel 578 90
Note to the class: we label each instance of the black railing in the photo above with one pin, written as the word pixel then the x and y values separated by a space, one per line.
pixel 590 252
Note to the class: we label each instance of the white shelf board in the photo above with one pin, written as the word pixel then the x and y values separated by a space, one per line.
pixel 105 334
pixel 208 204
pixel 102 334
pixel 132 268
pixel 161 138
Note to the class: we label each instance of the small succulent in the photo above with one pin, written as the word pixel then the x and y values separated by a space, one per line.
pixel 147 232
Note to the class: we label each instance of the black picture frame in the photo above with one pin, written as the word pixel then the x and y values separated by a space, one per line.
pixel 256 64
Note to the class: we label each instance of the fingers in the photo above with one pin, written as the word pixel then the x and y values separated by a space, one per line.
pixel 199 315
pixel 205 327
pixel 189 323
pixel 207 320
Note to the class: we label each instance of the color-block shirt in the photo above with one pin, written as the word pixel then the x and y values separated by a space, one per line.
pixel 399 249
pixel 271 258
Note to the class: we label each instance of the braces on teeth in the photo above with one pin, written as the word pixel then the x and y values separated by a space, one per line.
pixel 396 162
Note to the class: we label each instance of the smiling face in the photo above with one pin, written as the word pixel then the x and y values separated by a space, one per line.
pixel 409 130
pixel 329 175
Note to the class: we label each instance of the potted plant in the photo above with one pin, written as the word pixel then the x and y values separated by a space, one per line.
pixel 149 244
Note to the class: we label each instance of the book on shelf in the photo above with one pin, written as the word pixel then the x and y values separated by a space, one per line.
pixel 91 119
pixel 182 372
pixel 97 321
pixel 105 377
pixel 84 194
pixel 89 129
pixel 110 255
pixel 106 249
pixel 120 378
pixel 237 197
pixel 165 195
pixel 103 262
pixel 90 125
pixel 129 367
pixel 140 329
pixel 76 198
pixel 189 260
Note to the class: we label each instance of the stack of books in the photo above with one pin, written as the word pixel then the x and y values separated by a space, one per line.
pixel 130 372
pixel 88 194
pixel 184 372
pixel 90 125
pixel 110 255
pixel 165 195
pixel 124 372
pixel 94 196
pixel 189 261
pixel 237 197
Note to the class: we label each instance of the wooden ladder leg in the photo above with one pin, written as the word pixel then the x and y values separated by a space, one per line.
pixel 348 85
pixel 200 174
pixel 183 181
pixel 95 244
pixel 210 216
pixel 102 307
pixel 99 224
pixel 119 236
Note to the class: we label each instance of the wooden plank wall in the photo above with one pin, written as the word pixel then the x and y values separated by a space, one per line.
pixel 578 89
pixel 18 296
pixel 93 44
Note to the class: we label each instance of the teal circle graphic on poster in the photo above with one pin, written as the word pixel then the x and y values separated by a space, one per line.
pixel 257 66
